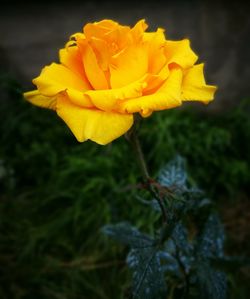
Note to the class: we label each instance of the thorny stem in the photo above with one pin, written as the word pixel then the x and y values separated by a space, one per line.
pixel 132 137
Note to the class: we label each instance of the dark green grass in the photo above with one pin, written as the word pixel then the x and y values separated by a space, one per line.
pixel 57 194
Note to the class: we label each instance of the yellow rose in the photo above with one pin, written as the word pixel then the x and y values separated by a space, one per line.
pixel 109 72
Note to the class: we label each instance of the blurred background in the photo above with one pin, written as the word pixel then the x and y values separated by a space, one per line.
pixel 56 194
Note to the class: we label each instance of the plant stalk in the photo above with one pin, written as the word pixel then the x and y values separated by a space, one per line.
pixel 132 137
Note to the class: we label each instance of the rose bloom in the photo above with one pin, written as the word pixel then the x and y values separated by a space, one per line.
pixel 109 72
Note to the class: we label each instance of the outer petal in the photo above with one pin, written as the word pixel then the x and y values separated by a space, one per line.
pixel 79 98
pixel 56 78
pixel 108 99
pixel 194 87
pixel 99 126
pixel 76 36
pixel 179 52
pixel 157 36
pixel 128 66
pixel 36 98
pixel 167 96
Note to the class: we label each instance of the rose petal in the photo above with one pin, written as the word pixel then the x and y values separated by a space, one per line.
pixel 98 29
pixel 156 55
pixel 100 48
pixel 37 99
pixel 79 98
pixel 153 83
pixel 129 66
pixel 107 99
pixel 194 87
pixel 107 23
pixel 93 71
pixel 72 59
pixel 118 39
pixel 56 78
pixel 167 96
pixel 179 52
pixel 138 30
pixel 99 126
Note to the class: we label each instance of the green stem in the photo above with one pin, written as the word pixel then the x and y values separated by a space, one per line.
pixel 132 137
pixel 134 141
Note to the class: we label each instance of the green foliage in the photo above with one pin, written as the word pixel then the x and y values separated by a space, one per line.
pixel 143 259
pixel 56 194
pixel 212 283
pixel 128 235
pixel 185 261
pixel 211 242
pixel 173 175
pixel 148 278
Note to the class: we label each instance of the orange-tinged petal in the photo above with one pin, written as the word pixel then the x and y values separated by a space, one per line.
pixel 179 52
pixel 156 64
pixel 117 39
pixel 100 47
pixel 156 52
pixel 129 66
pixel 155 80
pixel 72 59
pixel 153 83
pixel 107 23
pixel 194 87
pixel 157 67
pixel 99 126
pixel 37 99
pixel 167 96
pixel 98 29
pixel 93 71
pixel 138 30
pixel 107 99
